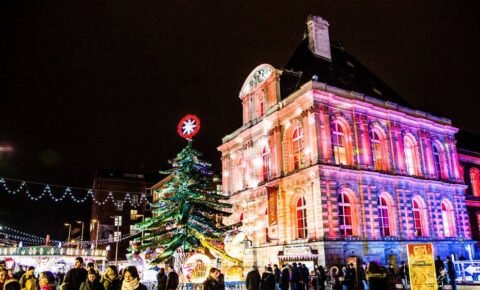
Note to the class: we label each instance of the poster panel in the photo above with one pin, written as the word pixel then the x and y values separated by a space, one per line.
pixel 421 266
pixel 272 193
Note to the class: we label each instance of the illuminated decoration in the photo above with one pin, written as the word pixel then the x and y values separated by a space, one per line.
pixel 196 267
pixel 52 251
pixel 45 258
pixel 345 174
pixel 36 240
pixel 235 244
pixel 88 194
pixel 188 126
pixel 234 273
pixel 188 210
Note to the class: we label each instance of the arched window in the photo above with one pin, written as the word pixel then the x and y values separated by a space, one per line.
pixel 345 215
pixel 448 219
pixel 475 181
pixel 302 232
pixel 261 104
pixel 411 157
pixel 419 218
pixel 438 160
pixel 339 143
pixel 384 217
pixel 266 163
pixel 297 146
pixel 379 150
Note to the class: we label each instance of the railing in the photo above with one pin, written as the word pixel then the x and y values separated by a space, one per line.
pixel 468 271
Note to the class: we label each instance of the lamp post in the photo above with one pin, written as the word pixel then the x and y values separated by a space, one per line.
pixel 69 231
pixel 81 237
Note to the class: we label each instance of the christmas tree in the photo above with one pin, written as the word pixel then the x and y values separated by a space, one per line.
pixel 189 212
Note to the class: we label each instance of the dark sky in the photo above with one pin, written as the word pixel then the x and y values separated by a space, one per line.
pixel 102 84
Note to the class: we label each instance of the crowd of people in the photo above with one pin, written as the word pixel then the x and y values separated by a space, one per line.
pixel 77 278
pixel 290 277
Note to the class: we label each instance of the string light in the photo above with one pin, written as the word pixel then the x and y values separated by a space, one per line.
pixel 36 240
pixel 88 193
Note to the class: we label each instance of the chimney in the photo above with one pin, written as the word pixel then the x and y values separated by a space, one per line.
pixel 318 37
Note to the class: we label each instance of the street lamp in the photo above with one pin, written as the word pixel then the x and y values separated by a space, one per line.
pixel 81 237
pixel 69 231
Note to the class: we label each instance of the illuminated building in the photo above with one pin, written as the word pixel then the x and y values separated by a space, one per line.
pixel 331 163
pixel 469 157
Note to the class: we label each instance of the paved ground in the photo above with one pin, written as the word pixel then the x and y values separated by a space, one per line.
pixel 468 287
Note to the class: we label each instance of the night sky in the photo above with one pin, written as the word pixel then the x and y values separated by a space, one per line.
pixel 86 85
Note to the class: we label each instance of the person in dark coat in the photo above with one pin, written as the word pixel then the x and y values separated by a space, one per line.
pixel 404 275
pixel 322 277
pixel 161 280
pixel 92 282
pixel 268 280
pixel 212 282
pixel 350 277
pixel 110 280
pixel 172 278
pixel 439 266
pixel 285 278
pixel 131 279
pixel 452 275
pixel 376 277
pixel 76 276
pixel 277 273
pixel 252 282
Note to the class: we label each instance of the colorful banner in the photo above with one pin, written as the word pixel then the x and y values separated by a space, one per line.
pixel 422 267
pixel 272 193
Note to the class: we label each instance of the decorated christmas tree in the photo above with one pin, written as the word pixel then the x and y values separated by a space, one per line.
pixel 189 212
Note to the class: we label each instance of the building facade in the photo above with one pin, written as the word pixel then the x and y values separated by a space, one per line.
pixel 469 157
pixel 121 199
pixel 330 163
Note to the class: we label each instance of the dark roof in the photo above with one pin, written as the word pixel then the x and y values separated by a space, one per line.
pixel 468 142
pixel 343 71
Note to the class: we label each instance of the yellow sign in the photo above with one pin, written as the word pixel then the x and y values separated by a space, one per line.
pixel 421 265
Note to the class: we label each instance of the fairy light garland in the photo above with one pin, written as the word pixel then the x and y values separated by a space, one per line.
pixel 68 193
pixel 36 240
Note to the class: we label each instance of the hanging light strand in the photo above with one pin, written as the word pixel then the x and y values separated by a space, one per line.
pixel 134 199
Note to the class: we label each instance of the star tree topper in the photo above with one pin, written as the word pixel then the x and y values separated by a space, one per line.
pixel 188 126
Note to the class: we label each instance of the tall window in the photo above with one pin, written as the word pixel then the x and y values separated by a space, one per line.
pixel 261 104
pixel 377 150
pixel 475 181
pixel 345 215
pixel 437 161
pixel 267 238
pixel 448 219
pixel 339 143
pixel 410 155
pixel 297 142
pixel 419 212
pixel 383 215
pixel 266 163
pixel 302 232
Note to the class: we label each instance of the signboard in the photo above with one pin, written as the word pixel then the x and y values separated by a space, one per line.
pixel 422 267
pixel 52 251
pixel 272 193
